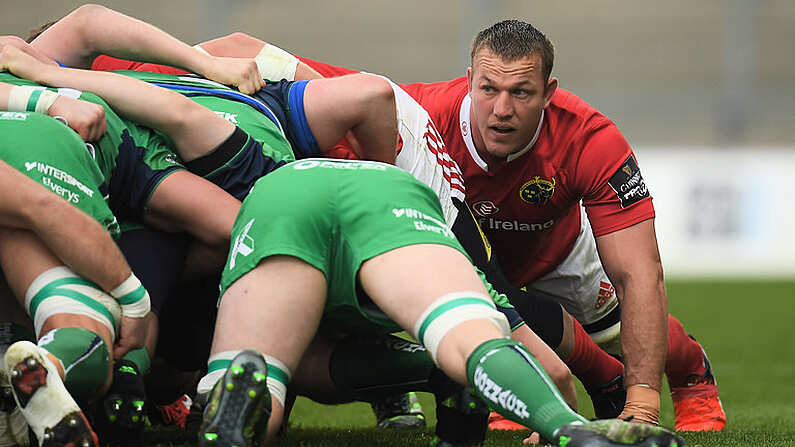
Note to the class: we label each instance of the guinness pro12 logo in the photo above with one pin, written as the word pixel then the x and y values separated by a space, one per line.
pixel 537 191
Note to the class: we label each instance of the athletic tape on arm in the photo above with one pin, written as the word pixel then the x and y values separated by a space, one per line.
pixel 26 98
pixel 133 297
pixel 275 64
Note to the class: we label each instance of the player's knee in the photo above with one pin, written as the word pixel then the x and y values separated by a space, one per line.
pixel 450 310
pixel 60 291
pixel 85 358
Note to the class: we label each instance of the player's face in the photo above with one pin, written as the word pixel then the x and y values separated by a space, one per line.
pixel 507 100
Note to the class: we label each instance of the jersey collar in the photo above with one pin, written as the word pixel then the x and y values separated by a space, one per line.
pixel 466 131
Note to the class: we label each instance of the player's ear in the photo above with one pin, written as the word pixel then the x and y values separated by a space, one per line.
pixel 469 79
pixel 552 85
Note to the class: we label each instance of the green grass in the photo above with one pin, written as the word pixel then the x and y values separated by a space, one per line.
pixel 744 326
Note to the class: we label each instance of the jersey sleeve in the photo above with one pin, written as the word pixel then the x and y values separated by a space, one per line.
pixel 615 193
pixel 107 63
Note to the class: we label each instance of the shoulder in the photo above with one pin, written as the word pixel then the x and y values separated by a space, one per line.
pixel 442 100
pixel 568 111
pixel 440 92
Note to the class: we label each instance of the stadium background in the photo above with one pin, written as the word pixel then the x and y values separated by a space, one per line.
pixel 704 92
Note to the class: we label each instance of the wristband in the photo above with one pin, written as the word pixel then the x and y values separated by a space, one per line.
pixel 26 98
pixel 275 64
pixel 133 297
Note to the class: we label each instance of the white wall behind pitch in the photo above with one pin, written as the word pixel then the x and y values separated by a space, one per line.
pixel 723 212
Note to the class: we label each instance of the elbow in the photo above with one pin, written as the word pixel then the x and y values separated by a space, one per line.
pixel 376 88
pixel 561 375
pixel 89 11
pixel 84 19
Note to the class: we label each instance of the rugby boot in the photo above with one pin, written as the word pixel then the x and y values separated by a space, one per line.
pixel 120 416
pixel 614 433
pixel 461 419
pixel 608 399
pixel 697 406
pixel 239 405
pixel 400 411
pixel 47 406
pixel 176 413
pixel 498 422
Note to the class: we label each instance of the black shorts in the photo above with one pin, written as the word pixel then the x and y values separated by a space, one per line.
pixel 286 100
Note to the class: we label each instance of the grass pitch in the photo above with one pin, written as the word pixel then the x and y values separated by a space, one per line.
pixel 746 328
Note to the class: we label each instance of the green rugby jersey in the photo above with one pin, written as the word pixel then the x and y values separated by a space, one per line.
pixel 247 113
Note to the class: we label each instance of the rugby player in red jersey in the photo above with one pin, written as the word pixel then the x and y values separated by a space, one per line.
pixel 534 157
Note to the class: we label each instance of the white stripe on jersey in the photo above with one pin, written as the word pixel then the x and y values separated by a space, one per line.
pixel 424 154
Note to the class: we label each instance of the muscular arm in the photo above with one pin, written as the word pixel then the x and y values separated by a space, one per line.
pixel 245 46
pixel 194 129
pixel 91 30
pixel 552 364
pixel 631 260
pixel 76 239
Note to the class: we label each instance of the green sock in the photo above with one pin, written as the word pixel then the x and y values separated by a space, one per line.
pixel 84 356
pixel 372 368
pixel 141 359
pixel 505 375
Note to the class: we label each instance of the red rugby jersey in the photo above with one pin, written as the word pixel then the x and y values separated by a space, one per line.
pixel 107 63
pixel 529 207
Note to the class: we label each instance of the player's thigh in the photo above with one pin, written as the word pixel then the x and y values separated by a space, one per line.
pixel 405 281
pixel 275 308
pixel 186 202
pixel 273 287
pixel 23 257
pixel 407 256
pixel 333 106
